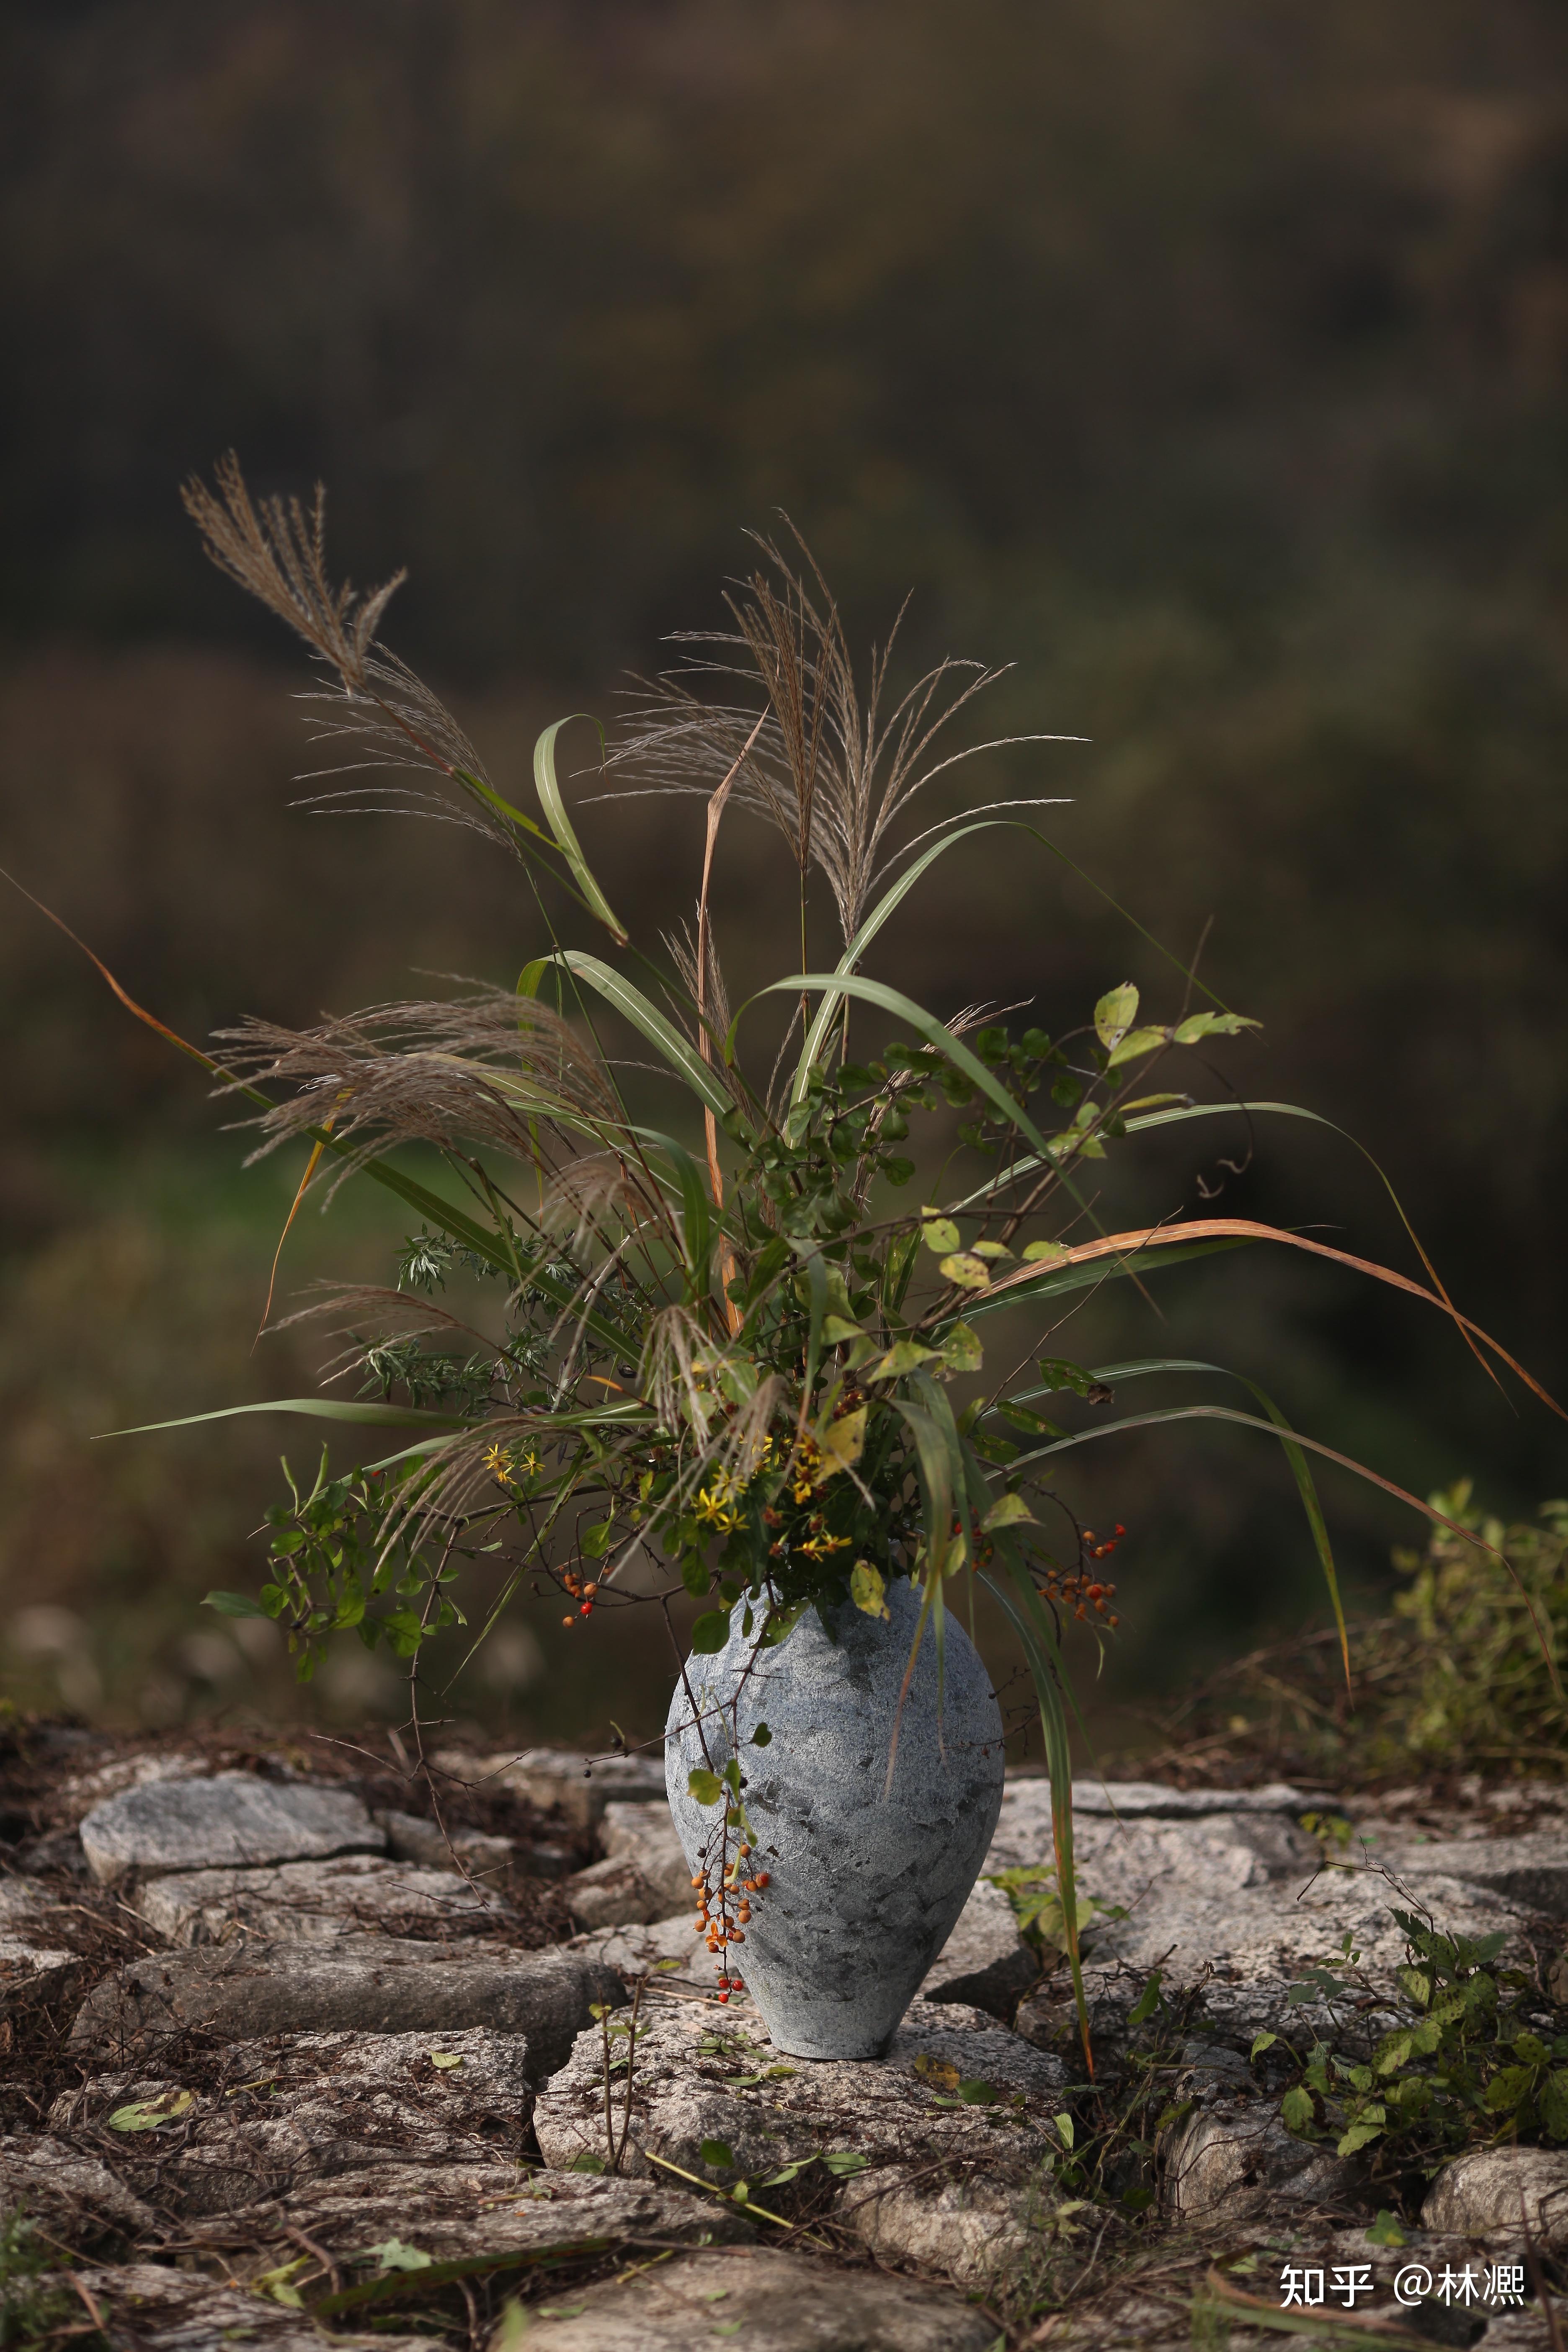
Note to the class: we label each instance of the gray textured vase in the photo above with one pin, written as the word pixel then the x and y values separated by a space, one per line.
pixel 865 1888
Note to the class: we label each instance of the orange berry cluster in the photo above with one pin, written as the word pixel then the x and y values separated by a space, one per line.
pixel 580 1592
pixel 1106 1545
pixel 1084 1595
pixel 725 1915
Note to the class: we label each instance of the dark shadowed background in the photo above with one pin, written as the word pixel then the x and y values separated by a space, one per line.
pixel 1207 364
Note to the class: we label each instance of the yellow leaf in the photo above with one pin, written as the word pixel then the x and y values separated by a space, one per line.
pixel 961 1351
pixel 990 1249
pixel 1009 1511
pixel 1115 1013
pixel 866 1589
pixel 1042 1252
pixel 967 1270
pixel 841 1443
pixel 1136 1041
pixel 902 1357
pixel 937 2072
pixel 937 1231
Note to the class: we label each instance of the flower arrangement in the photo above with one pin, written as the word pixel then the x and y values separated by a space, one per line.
pixel 728 1352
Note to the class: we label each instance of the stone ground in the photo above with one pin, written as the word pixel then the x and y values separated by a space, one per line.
pixel 301 2046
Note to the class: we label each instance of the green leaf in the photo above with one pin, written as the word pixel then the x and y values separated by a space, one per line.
pixel 938 1232
pixel 903 1358
pixel 762 1737
pixel 718 2153
pixel 1064 2124
pixel 1386 2231
pixel 1211 1024
pixel 560 824
pixel 969 1272
pixel 961 1349
pixel 1044 1253
pixel 1296 2110
pixel 1008 1511
pixel 391 2254
pixel 235 1604
pixel 1115 1013
pixel 1136 1043
pixel 710 1632
pixel 844 2162
pixel 866 1589
pixel 1553 2102
pixel 1359 2136
pixel 1143 2008
pixel 634 1006
pixel 977 2092
pixel 838 1333
pixel 369 1416
pixel 1262 2042
pixel 586 2162
pixel 445 2059
pixel 705 1787
pixel 146 2114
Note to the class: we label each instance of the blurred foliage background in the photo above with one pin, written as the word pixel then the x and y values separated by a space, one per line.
pixel 1210 365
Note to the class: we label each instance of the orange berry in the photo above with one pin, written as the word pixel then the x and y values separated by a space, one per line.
pixel 569 1621
pixel 734 1936
pixel 725 1996
pixel 761 1878
pixel 696 1880
pixel 589 1591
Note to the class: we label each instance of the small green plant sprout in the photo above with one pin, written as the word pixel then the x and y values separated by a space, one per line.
pixel 1037 1906
pixel 1461 2053
pixel 716 1333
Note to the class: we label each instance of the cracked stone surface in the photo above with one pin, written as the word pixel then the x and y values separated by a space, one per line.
pixel 1124 1860
pixel 409 1838
pixel 450 2212
pixel 271 2113
pixel 556 1776
pixel 700 2078
pixel 369 1984
pixel 1235 2158
pixel 1491 2191
pixel 74 2197
pixel 149 2308
pixel 1530 1871
pixel 779 2301
pixel 984 1962
pixel 233 1820
pixel 1247 1951
pixel 316 1900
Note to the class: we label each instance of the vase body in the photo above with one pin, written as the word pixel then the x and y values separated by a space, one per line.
pixel 866 1881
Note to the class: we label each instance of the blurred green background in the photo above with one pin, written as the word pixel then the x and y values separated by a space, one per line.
pixel 1209 365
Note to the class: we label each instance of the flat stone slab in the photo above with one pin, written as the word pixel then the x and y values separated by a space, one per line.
pixel 547 1777
pixel 31 1972
pixel 465 2211
pixel 367 1984
pixel 1118 1859
pixel 411 1839
pixel 75 2198
pixel 1246 1949
pixel 316 1901
pixel 264 2117
pixel 984 1962
pixel 670 1947
pixel 1529 1870
pixel 149 2307
pixel 703 2077
pixel 234 1820
pixel 777 2302
pixel 1132 1798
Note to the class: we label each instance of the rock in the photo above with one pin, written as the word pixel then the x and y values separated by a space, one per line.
pixel 1131 1799
pixel 548 1777
pixel 1235 2158
pixel 409 1838
pixel 1246 1947
pixel 315 1901
pixel 270 2115
pixel 365 1984
pixel 701 2076
pixel 1493 2192
pixel 781 2303
pixel 455 2210
pixel 1119 1862
pixel 613 1894
pixel 984 1962
pixel 148 2308
pixel 73 2196
pixel 669 1947
pixel 233 1820
pixel 1531 1870
pixel 646 1835
pixel 30 1972
pixel 980 2232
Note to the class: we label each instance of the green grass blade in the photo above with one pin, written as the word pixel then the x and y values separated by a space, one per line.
pixel 817 1036
pixel 554 807
pixel 368 1415
pixel 634 1006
